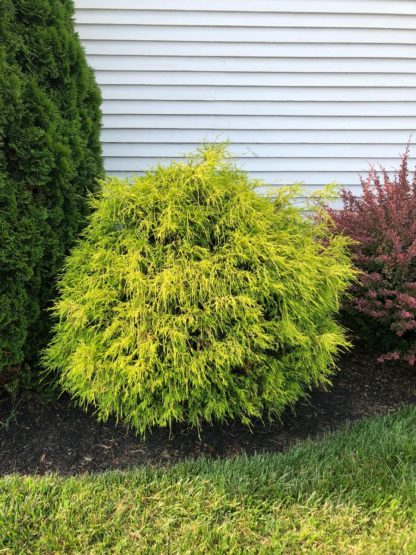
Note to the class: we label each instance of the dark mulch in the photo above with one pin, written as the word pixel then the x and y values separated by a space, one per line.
pixel 58 437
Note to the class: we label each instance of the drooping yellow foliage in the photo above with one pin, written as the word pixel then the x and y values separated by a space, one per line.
pixel 192 298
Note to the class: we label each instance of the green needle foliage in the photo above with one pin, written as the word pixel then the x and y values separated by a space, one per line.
pixel 49 158
pixel 192 298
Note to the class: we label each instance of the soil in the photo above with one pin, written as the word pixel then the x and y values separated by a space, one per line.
pixel 57 437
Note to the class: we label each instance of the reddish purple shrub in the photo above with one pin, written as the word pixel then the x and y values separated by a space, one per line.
pixel 382 222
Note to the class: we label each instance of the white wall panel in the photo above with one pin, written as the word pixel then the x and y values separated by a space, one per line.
pixel 304 91
pixel 227 124
pixel 341 7
pixel 246 35
pixel 119 16
pixel 225 79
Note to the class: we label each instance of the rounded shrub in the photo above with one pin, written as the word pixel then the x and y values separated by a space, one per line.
pixel 191 298
pixel 50 156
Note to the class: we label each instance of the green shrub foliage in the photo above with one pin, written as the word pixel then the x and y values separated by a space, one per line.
pixel 191 298
pixel 49 159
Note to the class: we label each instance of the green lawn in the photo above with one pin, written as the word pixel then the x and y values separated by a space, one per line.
pixel 352 492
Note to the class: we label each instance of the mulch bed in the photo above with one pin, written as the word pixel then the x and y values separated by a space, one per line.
pixel 58 437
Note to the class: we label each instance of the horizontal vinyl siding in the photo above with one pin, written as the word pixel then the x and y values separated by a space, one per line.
pixel 304 91
pixel 376 7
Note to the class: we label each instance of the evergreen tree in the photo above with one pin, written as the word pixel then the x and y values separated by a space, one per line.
pixel 50 157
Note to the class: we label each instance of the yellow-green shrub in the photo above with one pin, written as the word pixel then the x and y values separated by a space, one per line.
pixel 190 297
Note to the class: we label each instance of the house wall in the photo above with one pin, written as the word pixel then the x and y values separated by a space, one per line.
pixel 304 90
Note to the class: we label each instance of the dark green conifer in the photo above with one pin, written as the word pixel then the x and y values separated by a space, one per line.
pixel 50 158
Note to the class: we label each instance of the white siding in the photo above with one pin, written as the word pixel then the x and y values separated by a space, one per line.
pixel 310 91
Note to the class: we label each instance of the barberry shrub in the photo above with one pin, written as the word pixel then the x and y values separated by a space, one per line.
pixel 50 157
pixel 382 223
pixel 191 298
